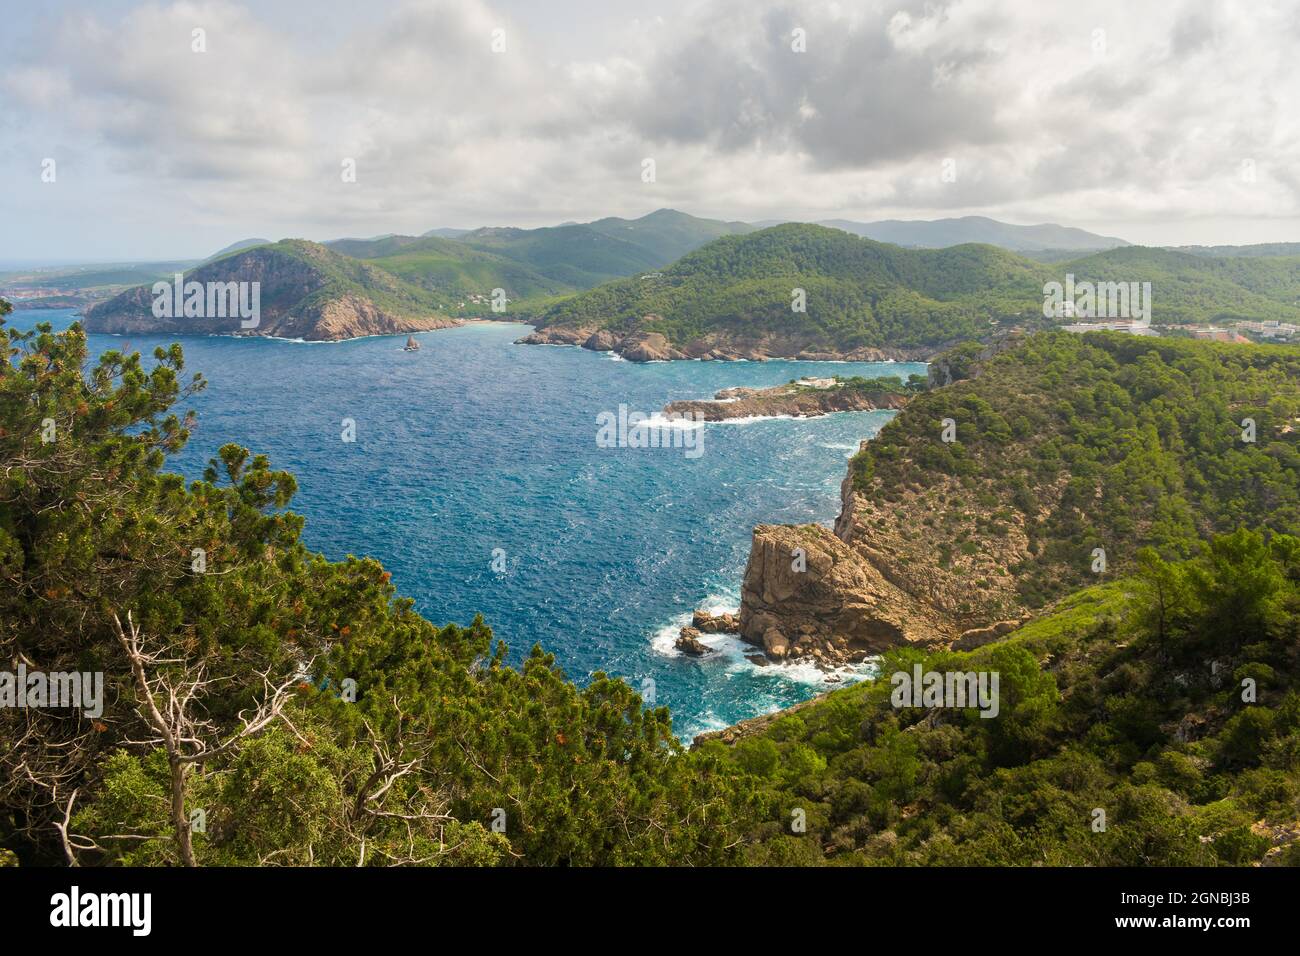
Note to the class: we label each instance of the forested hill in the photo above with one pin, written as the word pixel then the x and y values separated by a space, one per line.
pixel 304 290
pixel 858 293
pixel 1063 444
pixel 742 291
pixel 1028 473
pixel 1130 506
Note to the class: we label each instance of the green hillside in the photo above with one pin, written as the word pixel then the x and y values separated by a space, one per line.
pixel 535 267
pixel 1152 721
pixel 1194 288
pixel 865 293
pixel 306 290
pixel 577 256
pixel 668 234
pixel 859 292
pixel 1067 443
pixel 461 276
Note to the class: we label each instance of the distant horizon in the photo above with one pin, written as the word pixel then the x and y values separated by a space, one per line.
pixel 12 264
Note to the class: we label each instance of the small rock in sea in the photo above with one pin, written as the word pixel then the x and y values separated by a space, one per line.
pixel 759 659
pixel 688 642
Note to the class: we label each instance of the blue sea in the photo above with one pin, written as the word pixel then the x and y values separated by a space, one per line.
pixel 475 452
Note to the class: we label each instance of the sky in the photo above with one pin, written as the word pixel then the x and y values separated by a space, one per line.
pixel 1161 122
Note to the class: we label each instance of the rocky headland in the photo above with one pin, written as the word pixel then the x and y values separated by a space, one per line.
pixel 304 291
pixel 645 346
pixel 805 398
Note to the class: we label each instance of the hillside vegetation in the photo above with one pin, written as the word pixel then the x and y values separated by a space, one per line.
pixel 861 293
pixel 318 720
pixel 1152 721
pixel 306 290
pixel 535 266
pixel 1065 444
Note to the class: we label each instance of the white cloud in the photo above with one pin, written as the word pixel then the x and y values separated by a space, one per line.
pixel 1142 126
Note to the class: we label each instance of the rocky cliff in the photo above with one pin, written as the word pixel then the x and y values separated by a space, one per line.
pixel 889 573
pixel 303 291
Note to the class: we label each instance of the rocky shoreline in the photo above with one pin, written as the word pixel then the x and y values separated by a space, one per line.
pixel 644 346
pixel 806 398
pixel 334 320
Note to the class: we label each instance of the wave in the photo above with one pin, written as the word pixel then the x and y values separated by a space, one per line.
pixel 734 654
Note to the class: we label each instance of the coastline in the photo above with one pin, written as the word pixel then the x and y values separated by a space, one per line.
pixel 648 346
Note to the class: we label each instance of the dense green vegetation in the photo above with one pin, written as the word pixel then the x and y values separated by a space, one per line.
pixel 296 277
pixel 578 256
pixel 1167 702
pixel 1104 441
pixel 535 267
pixel 443 740
pixel 321 721
pixel 859 293
pixel 863 293
pixel 1197 288
pixel 461 277
pixel 668 234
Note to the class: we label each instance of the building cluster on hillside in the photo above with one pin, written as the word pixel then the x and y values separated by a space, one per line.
pixel 18 293
pixel 1272 329
pixel 1213 333
pixel 1132 326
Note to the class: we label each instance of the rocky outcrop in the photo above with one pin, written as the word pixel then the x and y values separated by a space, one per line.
pixel 688 642
pixel 974 637
pixel 715 623
pixel 558 335
pixel 351 317
pixel 602 340
pixel 805 399
pixel 303 291
pixel 881 579
pixel 648 346
pixel 808 594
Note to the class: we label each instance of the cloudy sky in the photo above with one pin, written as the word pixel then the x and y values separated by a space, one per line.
pixel 1160 121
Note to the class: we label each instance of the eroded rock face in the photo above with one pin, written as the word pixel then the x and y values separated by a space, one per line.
pixel 296 300
pixel 349 317
pixel 979 636
pixel 557 335
pixel 647 347
pixel 602 340
pixel 808 594
pixel 715 623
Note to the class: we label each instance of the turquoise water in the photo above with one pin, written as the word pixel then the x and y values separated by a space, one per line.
pixel 474 444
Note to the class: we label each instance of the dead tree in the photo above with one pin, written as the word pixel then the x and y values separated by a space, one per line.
pixel 169 690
